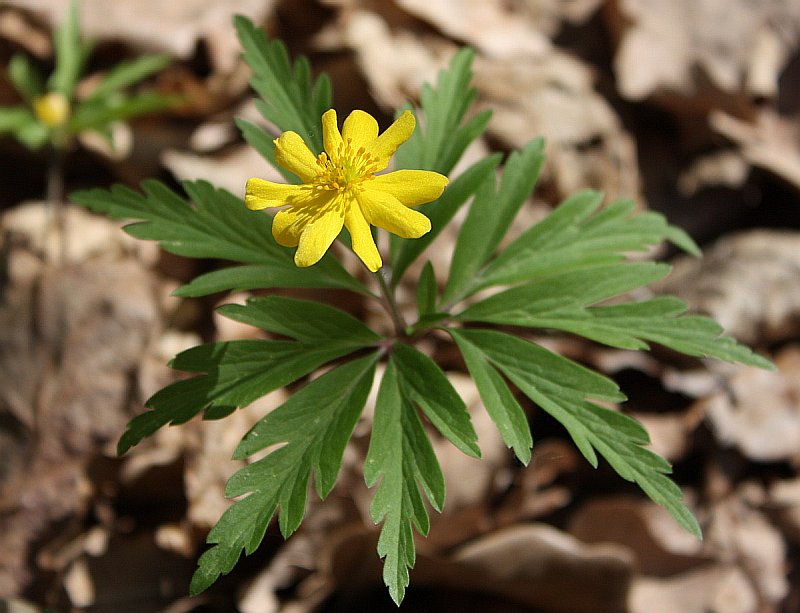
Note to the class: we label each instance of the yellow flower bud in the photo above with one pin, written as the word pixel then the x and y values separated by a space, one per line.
pixel 51 109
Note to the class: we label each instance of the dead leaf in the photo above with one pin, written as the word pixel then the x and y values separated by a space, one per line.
pixel 175 27
pixel 758 411
pixel 736 44
pixel 771 142
pixel 747 282
pixel 717 589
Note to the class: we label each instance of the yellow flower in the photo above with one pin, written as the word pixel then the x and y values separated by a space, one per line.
pixel 51 109
pixel 340 188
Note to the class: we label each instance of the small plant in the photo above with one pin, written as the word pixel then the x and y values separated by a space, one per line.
pixel 53 114
pixel 557 275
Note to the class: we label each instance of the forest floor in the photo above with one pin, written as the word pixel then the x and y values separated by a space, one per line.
pixel 688 107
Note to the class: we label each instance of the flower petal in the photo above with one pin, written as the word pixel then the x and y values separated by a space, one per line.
pixel 261 194
pixel 361 237
pixel 318 235
pixel 395 135
pixel 331 138
pixel 385 211
pixel 295 156
pixel 411 187
pixel 288 225
pixel 360 128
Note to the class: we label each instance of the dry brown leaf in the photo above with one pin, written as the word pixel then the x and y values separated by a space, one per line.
pixel 498 29
pixel 661 546
pixel 747 282
pixel 553 96
pixel 175 26
pixel 757 410
pixel 737 44
pixel 772 142
pixel 717 589
pixel 740 534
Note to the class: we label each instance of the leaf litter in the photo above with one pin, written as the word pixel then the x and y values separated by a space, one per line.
pixel 730 431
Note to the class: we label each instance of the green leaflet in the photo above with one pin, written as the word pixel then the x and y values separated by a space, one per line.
pixel 25 77
pixel 440 212
pixel 563 301
pixel 128 73
pixel 423 382
pixel 289 100
pixel 563 391
pixel 490 215
pixel 574 235
pixel 306 321
pixel 315 424
pixel 70 53
pixel 237 373
pixel 217 226
pixel 426 290
pixel 400 455
pixel 440 141
pixel 500 403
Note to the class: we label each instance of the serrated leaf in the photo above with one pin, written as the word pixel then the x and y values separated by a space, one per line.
pixel 440 212
pixel 532 367
pixel 542 302
pixel 490 215
pixel 129 72
pixel 237 373
pixel 217 226
pixel 562 391
pixel 314 426
pixel 423 382
pixel 575 235
pixel 498 400
pixel 400 455
pixel 289 100
pixel 438 143
pixel 306 321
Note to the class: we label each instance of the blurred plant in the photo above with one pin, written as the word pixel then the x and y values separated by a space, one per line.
pixel 54 113
pixel 557 275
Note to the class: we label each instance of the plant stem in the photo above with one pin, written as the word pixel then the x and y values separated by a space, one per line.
pixel 55 199
pixel 391 305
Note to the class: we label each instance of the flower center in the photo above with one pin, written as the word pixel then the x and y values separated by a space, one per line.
pixel 346 168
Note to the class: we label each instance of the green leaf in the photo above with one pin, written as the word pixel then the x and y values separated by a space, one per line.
pixel 289 100
pixel 97 113
pixel 563 302
pixel 237 373
pixel 490 215
pixel 400 453
pixel 440 212
pixel 25 77
pixel 423 382
pixel 217 226
pixel 426 290
pixel 128 73
pixel 575 236
pixel 500 403
pixel 13 117
pixel 540 303
pixel 306 321
pixel 313 427
pixel 562 388
pixel 439 143
pixel 70 53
